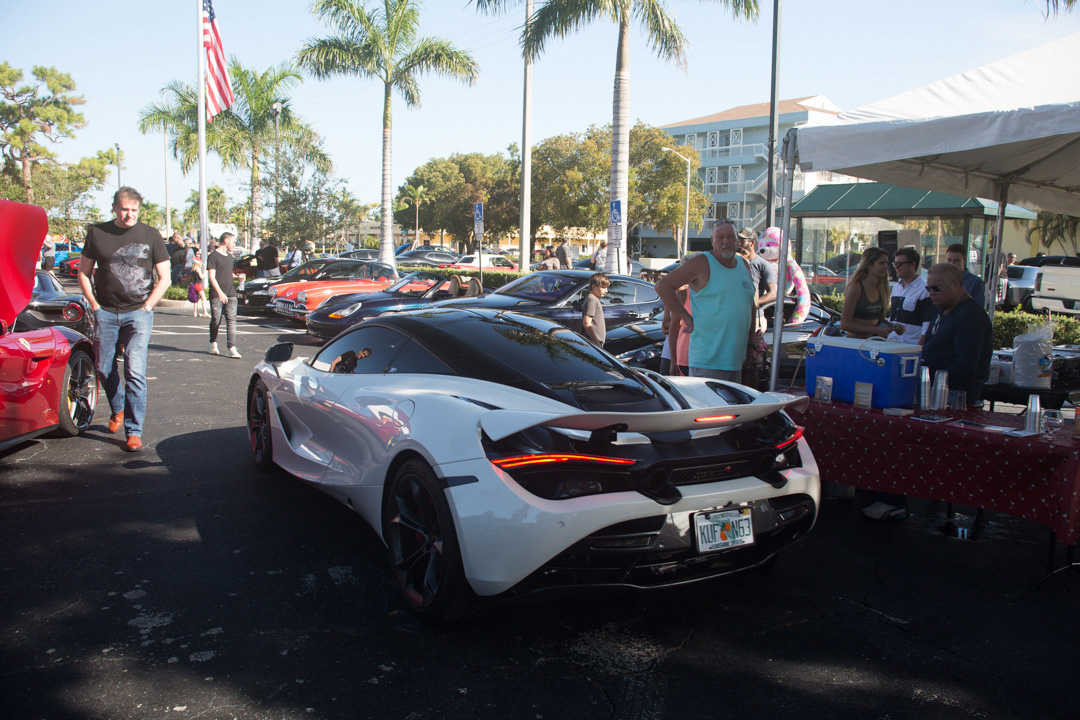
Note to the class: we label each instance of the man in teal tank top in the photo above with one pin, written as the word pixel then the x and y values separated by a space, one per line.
pixel 720 322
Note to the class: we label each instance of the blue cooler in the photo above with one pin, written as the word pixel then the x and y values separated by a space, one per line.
pixel 892 368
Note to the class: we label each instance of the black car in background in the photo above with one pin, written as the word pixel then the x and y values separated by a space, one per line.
pixel 50 304
pixel 361 254
pixel 559 295
pixel 253 296
pixel 412 292
pixel 636 268
pixel 427 258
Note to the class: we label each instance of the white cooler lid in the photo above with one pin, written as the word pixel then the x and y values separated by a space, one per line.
pixel 879 345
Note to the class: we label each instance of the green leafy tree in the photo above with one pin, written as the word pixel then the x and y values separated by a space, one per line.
pixel 559 18
pixel 382 43
pixel 453 184
pixel 35 112
pixel 570 180
pixel 215 207
pixel 308 202
pixel 243 136
pixel 658 182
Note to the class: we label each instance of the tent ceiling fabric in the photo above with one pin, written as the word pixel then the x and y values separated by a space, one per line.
pixel 1035 148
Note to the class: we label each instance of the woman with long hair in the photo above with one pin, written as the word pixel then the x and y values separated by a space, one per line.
pixel 866 297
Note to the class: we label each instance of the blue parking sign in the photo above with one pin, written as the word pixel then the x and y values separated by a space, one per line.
pixel 615 213
pixel 478 212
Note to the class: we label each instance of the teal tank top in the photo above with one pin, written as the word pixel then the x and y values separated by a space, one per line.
pixel 722 313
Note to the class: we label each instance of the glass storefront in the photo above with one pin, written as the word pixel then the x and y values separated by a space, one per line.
pixel 831 247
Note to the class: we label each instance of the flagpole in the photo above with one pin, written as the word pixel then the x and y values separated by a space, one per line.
pixel 168 213
pixel 201 114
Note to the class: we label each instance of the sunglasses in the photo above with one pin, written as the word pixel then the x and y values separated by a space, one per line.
pixel 898 263
pixel 934 288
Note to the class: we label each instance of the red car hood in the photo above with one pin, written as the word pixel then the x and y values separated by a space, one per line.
pixel 22 233
pixel 327 287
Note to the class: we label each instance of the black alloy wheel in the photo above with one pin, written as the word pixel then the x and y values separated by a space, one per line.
pixel 258 422
pixel 79 399
pixel 424 547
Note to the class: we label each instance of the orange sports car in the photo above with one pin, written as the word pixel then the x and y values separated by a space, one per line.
pixel 296 299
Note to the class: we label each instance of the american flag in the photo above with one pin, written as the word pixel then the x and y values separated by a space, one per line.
pixel 219 94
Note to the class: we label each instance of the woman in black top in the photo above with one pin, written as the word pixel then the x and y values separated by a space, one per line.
pixel 866 298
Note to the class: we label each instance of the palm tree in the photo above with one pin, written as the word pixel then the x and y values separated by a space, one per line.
pixel 1056 228
pixel 559 18
pixel 382 43
pixel 415 195
pixel 243 134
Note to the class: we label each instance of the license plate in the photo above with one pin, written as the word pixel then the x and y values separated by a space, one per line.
pixel 723 529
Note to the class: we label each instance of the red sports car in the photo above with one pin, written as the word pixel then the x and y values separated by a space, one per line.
pixel 297 299
pixel 47 377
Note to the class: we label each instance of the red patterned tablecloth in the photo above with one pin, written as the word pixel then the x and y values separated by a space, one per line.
pixel 1023 476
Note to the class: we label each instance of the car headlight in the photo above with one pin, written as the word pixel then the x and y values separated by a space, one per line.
pixel 273 292
pixel 346 311
pixel 301 296
pixel 641 355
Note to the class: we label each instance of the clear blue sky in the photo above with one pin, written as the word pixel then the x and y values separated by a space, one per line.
pixel 122 53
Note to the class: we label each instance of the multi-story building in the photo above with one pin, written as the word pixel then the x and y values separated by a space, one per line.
pixel 734 165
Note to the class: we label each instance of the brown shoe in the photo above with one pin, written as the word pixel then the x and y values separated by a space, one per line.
pixel 115 421
pixel 134 443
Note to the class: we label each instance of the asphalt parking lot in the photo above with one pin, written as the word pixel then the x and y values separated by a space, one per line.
pixel 182 582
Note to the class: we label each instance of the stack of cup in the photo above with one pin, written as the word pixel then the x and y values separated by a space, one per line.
pixel 939 397
pixel 1033 421
pixel 924 388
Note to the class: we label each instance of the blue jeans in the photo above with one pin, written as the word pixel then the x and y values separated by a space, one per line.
pixel 216 308
pixel 128 333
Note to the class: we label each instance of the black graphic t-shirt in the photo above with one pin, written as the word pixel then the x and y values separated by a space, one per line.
pixel 125 260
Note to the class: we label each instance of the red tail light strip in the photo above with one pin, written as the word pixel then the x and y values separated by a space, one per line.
pixel 794 438
pixel 523 460
pixel 714 418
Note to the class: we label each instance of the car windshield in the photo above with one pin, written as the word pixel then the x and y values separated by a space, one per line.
pixel 416 284
pixel 513 349
pixel 542 287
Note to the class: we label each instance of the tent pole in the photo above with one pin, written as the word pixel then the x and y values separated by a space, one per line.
pixel 781 280
pixel 999 235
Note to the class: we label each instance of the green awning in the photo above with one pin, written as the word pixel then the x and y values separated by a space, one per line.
pixel 885 200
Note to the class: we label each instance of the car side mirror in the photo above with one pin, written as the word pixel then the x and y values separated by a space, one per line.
pixel 278 353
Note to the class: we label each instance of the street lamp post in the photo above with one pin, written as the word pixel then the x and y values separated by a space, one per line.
pixel 117 146
pixel 276 111
pixel 686 225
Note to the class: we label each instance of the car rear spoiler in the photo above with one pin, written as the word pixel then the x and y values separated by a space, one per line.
pixel 498 424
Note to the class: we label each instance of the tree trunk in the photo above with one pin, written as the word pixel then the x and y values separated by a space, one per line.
pixel 256 199
pixel 386 225
pixel 620 146
pixel 28 186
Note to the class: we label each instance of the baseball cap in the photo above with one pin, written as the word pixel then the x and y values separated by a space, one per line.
pixel 747 234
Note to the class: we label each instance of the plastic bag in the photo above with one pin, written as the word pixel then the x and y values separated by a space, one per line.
pixel 1033 356
pixel 192 296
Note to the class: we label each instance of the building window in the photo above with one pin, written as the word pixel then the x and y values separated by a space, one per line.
pixel 735 137
pixel 691 140
pixel 733 211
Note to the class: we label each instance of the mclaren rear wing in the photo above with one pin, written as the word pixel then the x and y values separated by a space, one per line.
pixel 503 423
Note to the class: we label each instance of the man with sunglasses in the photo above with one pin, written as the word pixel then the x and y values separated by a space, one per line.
pixel 910 308
pixel 961 338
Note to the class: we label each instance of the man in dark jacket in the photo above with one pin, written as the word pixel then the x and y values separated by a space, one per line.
pixel 961 338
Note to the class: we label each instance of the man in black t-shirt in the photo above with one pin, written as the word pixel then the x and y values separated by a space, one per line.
pixel 219 271
pixel 178 258
pixel 267 255
pixel 122 293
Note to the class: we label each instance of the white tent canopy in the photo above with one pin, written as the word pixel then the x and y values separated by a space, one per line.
pixel 1008 131
pixel 1011 126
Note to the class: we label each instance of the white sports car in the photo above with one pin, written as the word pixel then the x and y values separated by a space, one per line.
pixel 501 454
